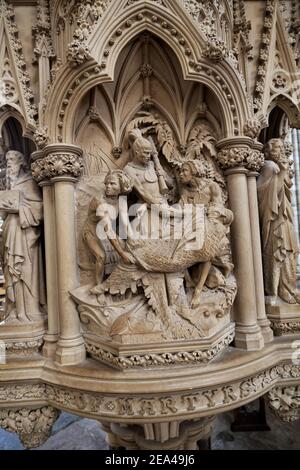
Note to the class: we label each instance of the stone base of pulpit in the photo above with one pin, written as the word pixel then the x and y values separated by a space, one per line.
pixel 151 353
pixel 22 339
pixel 284 317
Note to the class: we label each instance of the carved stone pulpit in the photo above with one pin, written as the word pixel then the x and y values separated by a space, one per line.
pixel 148 246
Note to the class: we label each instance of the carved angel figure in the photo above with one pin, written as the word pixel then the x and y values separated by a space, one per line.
pixel 280 247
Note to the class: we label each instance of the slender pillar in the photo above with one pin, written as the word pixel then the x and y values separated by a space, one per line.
pixel 70 348
pixel 248 333
pixel 62 165
pixel 52 334
pixel 263 321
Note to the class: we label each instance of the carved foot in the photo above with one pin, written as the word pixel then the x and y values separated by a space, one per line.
pixel 287 297
pixel 96 290
pixel 32 426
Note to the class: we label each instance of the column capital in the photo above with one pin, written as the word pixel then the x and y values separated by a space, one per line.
pixel 234 152
pixel 256 158
pixel 57 160
pixel 240 152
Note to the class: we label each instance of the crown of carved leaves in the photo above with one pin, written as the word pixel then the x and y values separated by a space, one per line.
pixel 7 13
pixel 241 156
pixel 57 164
pixel 233 157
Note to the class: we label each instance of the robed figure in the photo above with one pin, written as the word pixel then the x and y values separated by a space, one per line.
pixel 22 210
pixel 279 242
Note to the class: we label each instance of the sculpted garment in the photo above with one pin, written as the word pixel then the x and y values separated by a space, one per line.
pixel 280 247
pixel 22 257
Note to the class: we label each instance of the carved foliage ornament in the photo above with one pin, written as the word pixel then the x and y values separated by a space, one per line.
pixel 87 15
pixel 57 164
pixel 233 157
pixel 285 402
pixel 33 426
pixel 42 31
pixel 8 81
pixel 169 405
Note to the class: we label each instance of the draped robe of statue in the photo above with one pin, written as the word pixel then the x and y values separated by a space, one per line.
pixel 22 259
pixel 280 247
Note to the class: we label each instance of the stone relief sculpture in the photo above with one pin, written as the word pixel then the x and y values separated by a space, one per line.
pixel 279 243
pixel 172 271
pixel 116 184
pixel 22 210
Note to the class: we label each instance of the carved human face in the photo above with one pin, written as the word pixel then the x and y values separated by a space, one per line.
pixel 276 150
pixel 185 175
pixel 112 186
pixel 143 154
pixel 13 166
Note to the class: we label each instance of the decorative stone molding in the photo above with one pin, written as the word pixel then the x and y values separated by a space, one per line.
pixel 32 426
pixel 204 13
pixel 87 15
pixel 281 327
pixel 160 359
pixel 241 27
pixel 21 79
pixel 42 32
pixel 23 348
pixel 285 402
pixel 154 407
pixel 264 54
pixel 57 161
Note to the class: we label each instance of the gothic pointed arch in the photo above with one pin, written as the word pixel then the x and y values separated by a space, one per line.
pixel 201 59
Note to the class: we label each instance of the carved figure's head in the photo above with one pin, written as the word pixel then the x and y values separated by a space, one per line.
pixel 191 170
pixel 141 148
pixel 116 183
pixel 15 162
pixel 275 150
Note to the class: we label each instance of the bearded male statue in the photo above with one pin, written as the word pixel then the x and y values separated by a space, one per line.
pixel 21 208
pixel 280 247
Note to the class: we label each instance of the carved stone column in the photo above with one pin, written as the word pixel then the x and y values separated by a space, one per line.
pixel 233 156
pixel 62 164
pixel 255 162
pixel 51 337
pixel 174 435
pixel 33 426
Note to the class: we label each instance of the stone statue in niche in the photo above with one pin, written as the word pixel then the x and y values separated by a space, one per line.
pixel 279 243
pixel 21 208
pixel 173 279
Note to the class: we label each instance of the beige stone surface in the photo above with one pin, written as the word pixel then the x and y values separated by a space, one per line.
pixel 169 103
